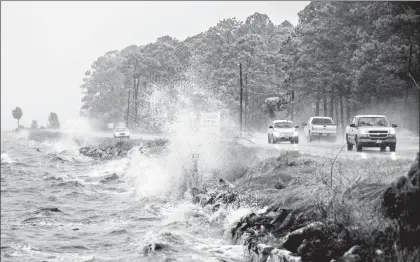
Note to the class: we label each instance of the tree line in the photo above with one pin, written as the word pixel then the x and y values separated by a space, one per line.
pixel 341 59
pixel 53 121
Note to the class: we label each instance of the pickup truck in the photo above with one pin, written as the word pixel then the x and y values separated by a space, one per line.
pixel 319 127
pixel 371 131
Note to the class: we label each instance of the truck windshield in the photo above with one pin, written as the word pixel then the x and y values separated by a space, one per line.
pixel 283 125
pixel 373 121
pixel 322 121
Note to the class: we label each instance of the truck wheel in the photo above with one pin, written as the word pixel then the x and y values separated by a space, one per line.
pixel 392 148
pixel 358 146
pixel 309 137
pixel 383 149
pixel 292 141
pixel 297 141
pixel 269 141
pixel 349 145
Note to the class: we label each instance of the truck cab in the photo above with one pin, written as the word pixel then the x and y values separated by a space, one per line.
pixel 371 131
pixel 319 127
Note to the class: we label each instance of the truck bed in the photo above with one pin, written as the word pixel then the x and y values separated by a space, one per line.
pixel 324 129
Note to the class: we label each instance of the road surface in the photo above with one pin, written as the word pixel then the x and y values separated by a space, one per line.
pixel 407 147
pixel 132 135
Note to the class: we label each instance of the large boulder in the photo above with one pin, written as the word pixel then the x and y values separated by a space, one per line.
pixel 216 196
pixel 401 202
pixel 153 247
pixel 282 255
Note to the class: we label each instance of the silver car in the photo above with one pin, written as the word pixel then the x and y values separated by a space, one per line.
pixel 120 132
pixel 283 130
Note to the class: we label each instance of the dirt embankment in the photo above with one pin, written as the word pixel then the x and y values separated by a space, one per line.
pixel 354 213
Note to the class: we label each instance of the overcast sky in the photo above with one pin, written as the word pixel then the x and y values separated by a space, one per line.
pixel 46 47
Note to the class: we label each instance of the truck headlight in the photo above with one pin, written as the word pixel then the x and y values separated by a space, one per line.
pixel 296 133
pixel 276 133
pixel 392 132
pixel 363 132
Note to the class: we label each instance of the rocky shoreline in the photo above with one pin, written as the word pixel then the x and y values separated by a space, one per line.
pixel 281 235
pixel 112 149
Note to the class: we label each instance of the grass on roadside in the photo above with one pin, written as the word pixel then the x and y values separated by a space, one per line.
pixel 350 195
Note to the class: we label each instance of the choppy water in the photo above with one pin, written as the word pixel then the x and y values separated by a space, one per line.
pixel 57 205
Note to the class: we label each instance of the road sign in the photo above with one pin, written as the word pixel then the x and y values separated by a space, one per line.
pixel 210 125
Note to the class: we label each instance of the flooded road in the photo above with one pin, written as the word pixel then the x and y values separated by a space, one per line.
pixel 407 147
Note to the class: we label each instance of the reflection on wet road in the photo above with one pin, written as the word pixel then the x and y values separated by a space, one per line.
pixel 406 148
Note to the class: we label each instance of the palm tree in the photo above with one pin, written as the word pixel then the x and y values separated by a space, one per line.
pixel 17 114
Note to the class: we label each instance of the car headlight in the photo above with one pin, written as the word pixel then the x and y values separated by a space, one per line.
pixel 392 132
pixel 276 133
pixel 363 132
pixel 296 133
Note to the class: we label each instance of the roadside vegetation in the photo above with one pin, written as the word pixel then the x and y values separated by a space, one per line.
pixel 360 210
pixel 342 58
pixel 357 199
pixel 17 114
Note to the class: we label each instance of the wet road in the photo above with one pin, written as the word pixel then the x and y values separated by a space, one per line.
pixel 406 148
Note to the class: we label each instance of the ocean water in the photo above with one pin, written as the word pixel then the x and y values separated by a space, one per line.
pixel 58 205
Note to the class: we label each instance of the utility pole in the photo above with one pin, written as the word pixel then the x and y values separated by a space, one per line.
pixel 137 98
pixel 134 88
pixel 128 105
pixel 240 110
pixel 407 87
pixel 292 109
pixel 136 82
pixel 246 101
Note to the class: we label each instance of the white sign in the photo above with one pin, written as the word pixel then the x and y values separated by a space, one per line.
pixel 210 124
pixel 210 119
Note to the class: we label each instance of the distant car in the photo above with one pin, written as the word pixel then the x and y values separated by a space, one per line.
pixel 319 127
pixel 121 132
pixel 371 131
pixel 283 130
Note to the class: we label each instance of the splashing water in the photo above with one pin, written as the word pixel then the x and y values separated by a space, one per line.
pixel 77 127
pixel 191 156
pixel 393 156
pixel 146 202
pixel 5 158
pixel 22 134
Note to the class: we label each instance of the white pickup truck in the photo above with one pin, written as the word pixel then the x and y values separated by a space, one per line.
pixel 371 131
pixel 319 127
